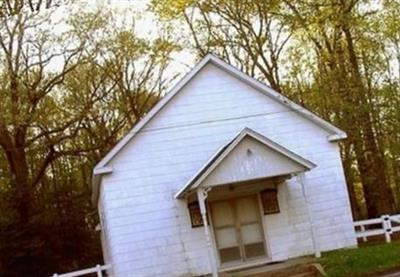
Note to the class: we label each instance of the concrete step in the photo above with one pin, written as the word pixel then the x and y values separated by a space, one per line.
pixel 297 271
pixel 292 268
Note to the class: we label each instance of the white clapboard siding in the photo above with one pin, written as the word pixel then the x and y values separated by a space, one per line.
pixel 149 231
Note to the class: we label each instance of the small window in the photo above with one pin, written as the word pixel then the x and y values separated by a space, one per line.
pixel 195 215
pixel 269 199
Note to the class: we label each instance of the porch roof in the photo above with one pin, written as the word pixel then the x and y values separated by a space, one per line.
pixel 248 156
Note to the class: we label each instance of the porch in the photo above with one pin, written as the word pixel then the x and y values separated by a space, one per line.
pixel 234 191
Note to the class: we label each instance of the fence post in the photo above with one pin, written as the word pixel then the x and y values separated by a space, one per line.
pixel 99 273
pixel 387 227
pixel 364 238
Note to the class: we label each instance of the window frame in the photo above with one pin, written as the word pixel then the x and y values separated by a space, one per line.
pixel 194 211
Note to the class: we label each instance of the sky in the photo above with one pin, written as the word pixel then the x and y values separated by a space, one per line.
pixel 147 26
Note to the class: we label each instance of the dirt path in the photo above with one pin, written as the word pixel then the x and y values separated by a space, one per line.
pixel 394 272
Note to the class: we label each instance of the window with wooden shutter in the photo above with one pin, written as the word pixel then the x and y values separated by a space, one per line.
pixel 195 214
pixel 269 199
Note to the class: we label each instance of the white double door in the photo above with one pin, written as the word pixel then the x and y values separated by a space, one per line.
pixel 238 229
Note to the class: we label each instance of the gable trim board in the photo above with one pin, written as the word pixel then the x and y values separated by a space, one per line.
pixel 103 168
pixel 217 158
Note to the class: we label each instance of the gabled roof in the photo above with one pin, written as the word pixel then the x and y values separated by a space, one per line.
pixel 225 150
pixel 336 133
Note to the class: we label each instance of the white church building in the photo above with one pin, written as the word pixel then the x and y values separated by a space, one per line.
pixel 223 173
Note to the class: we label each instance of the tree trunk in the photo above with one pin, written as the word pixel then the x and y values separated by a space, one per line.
pixel 347 162
pixel 371 164
pixel 20 181
pixel 377 193
pixel 395 163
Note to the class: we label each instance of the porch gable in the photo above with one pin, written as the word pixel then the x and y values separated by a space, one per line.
pixel 249 156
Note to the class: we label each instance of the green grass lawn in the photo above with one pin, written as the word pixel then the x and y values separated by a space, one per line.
pixel 362 260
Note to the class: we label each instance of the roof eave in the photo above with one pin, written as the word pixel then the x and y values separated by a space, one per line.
pixel 337 136
pixel 102 170
pixel 186 190
pixel 98 172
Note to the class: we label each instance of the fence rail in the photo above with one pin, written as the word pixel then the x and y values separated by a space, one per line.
pixel 387 225
pixel 96 269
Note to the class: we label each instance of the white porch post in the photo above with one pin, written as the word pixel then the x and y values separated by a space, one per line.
pixel 202 196
pixel 302 179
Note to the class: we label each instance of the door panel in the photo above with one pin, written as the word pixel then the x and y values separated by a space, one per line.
pixel 225 231
pixel 232 254
pixel 238 229
pixel 223 214
pixel 247 210
pixel 226 238
pixel 252 233
pixel 254 250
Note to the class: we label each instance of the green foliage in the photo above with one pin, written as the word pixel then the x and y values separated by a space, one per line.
pixel 170 9
pixel 67 97
pixel 341 59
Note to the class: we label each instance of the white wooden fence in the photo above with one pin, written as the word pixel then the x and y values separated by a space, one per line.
pixel 387 225
pixel 97 269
